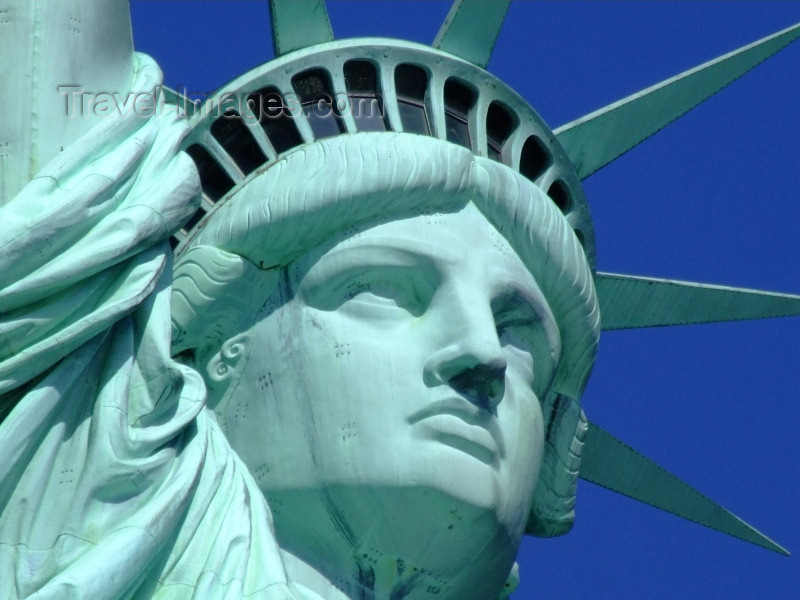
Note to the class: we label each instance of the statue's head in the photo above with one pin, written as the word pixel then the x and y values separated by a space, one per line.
pixel 395 334
pixel 390 289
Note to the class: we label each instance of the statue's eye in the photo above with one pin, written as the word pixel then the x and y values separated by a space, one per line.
pixel 519 334
pixel 387 289
pixel 526 358
pixel 525 345
pixel 371 290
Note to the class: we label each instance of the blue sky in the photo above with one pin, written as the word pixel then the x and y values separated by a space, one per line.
pixel 714 197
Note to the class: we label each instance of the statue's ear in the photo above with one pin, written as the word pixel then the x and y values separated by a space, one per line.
pixel 226 364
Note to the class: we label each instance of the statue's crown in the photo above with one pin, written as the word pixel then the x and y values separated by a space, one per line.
pixel 375 84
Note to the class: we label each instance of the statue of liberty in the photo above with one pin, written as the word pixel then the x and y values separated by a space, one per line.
pixel 382 321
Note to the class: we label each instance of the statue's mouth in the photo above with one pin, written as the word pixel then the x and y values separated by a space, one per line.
pixel 462 425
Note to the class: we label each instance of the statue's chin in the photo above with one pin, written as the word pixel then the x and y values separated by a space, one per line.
pixel 417 539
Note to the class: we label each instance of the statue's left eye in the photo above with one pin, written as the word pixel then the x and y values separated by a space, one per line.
pixel 526 349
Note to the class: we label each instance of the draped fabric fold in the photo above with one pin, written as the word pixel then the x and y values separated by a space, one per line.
pixel 115 480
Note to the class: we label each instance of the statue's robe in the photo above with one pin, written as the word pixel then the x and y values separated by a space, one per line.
pixel 115 482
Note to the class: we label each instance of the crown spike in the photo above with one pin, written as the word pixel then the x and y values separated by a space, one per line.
pixel 471 29
pixel 629 302
pixel 601 137
pixel 608 462
pixel 297 25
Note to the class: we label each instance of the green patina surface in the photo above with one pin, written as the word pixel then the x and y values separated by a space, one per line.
pixel 376 320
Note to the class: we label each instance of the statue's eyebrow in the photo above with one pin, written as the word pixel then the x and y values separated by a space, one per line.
pixel 401 253
pixel 384 252
pixel 387 250
pixel 433 250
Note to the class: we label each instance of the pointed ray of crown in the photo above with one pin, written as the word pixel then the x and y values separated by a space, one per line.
pixel 444 92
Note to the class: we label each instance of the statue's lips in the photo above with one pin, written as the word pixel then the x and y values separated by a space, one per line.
pixel 462 425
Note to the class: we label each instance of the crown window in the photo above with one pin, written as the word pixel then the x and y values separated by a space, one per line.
pixel 499 125
pixel 366 104
pixel 276 119
pixel 458 102
pixel 233 135
pixel 411 84
pixel 315 93
pixel 534 159
pixel 213 179
pixel 560 195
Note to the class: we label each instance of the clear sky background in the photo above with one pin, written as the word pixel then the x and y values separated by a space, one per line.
pixel 714 197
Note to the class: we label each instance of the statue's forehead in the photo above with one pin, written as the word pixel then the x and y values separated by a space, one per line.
pixel 450 227
pixel 464 243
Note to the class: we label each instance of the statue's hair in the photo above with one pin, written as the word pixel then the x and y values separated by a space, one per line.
pixel 335 186
pixel 218 289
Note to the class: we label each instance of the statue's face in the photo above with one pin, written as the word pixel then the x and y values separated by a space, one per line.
pixel 410 356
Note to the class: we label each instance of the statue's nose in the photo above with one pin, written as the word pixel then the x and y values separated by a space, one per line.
pixel 471 358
